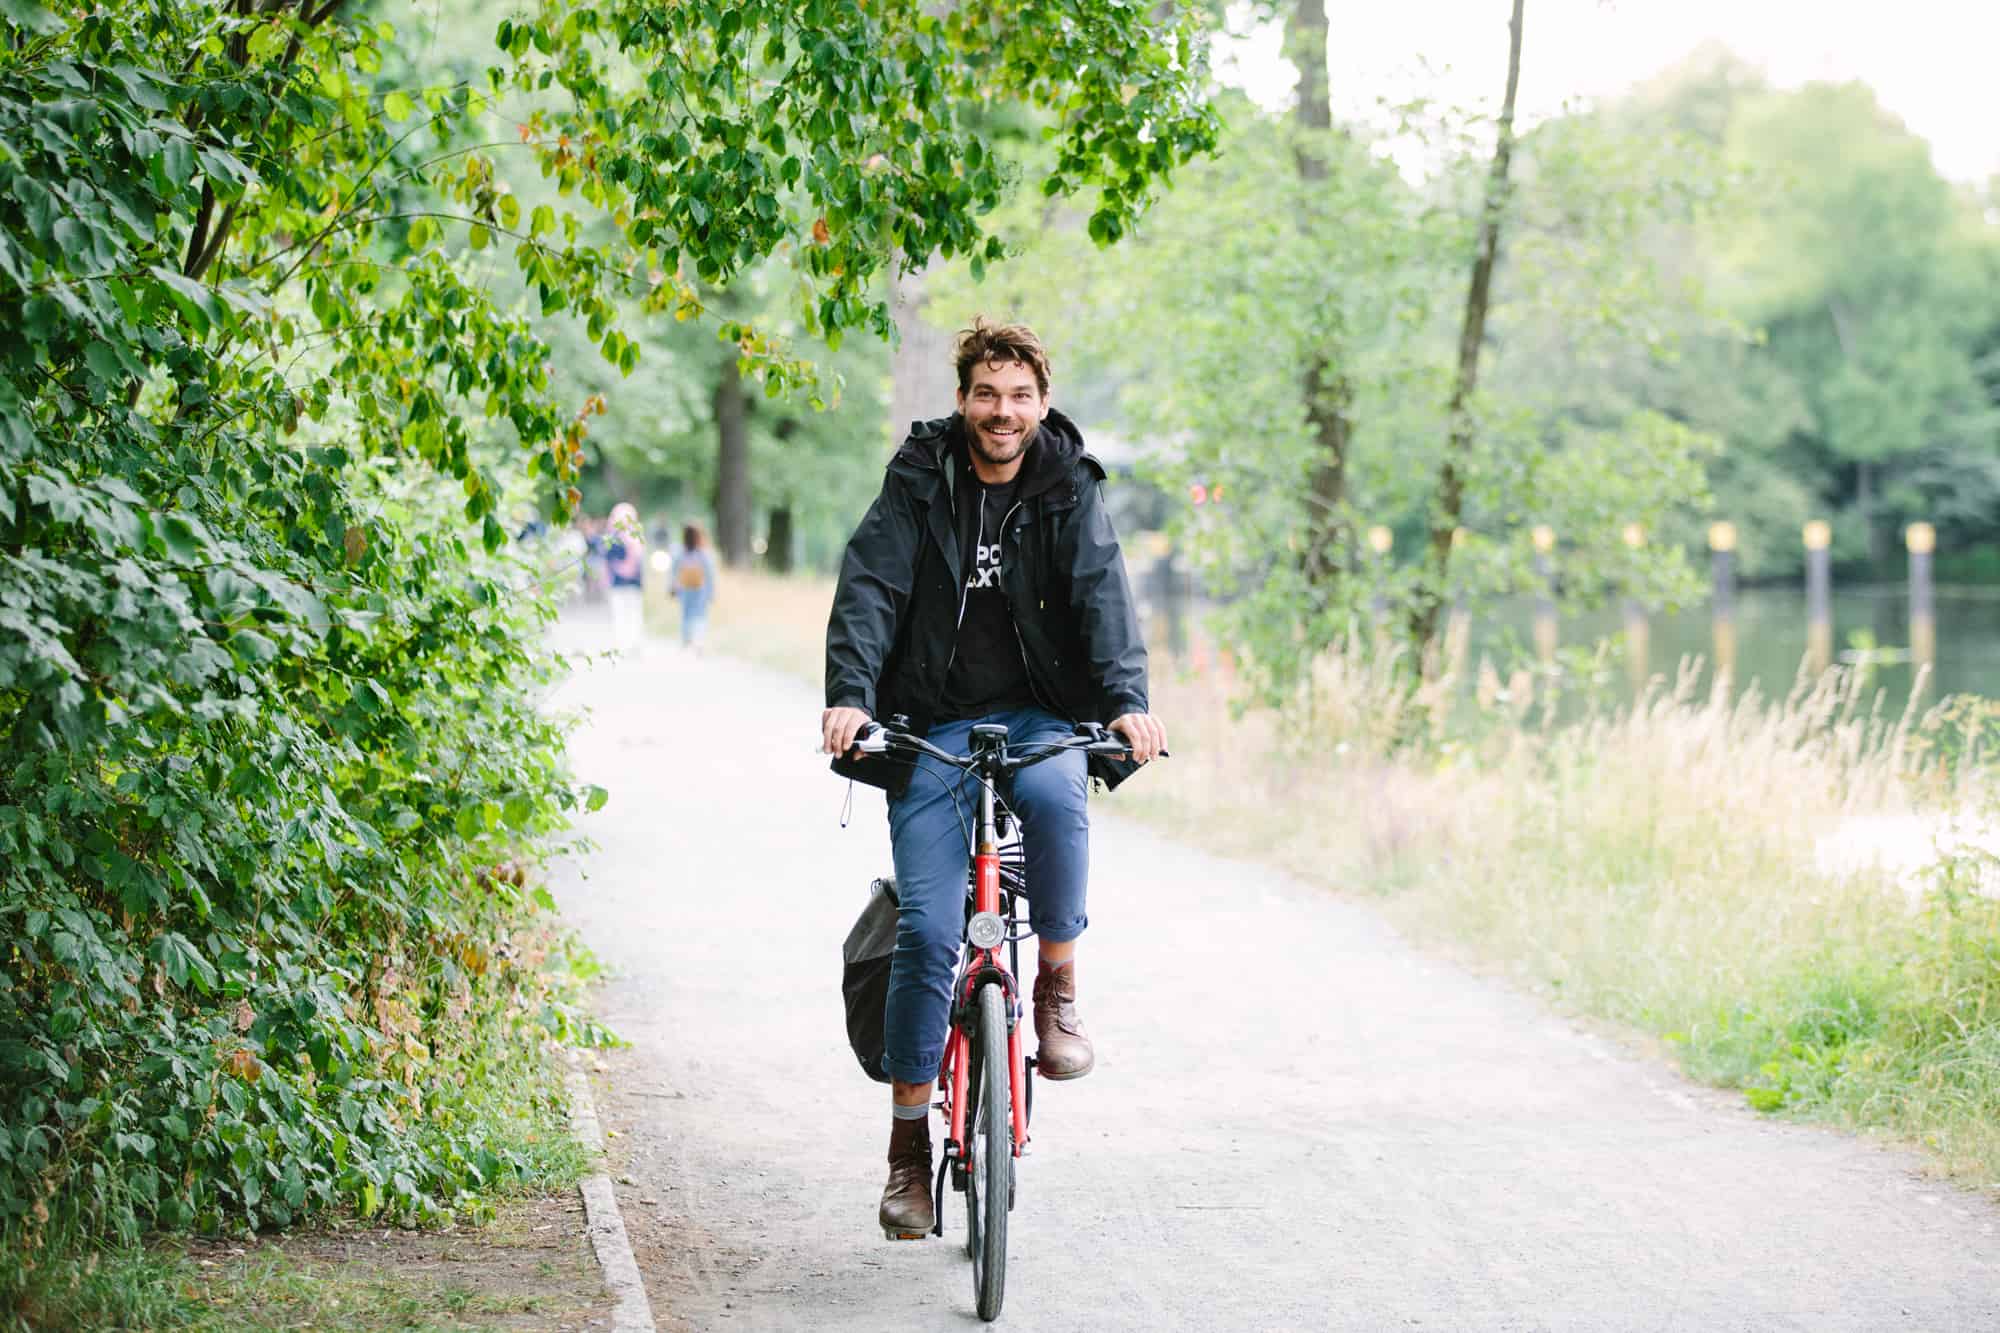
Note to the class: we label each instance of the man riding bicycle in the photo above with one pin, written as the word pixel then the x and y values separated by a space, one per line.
pixel 984 585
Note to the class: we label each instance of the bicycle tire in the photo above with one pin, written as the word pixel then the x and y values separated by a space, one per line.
pixel 989 1177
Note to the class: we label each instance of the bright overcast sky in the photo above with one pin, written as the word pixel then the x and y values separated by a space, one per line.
pixel 1931 62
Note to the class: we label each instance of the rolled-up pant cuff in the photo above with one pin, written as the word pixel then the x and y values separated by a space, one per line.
pixel 1062 934
pixel 912 1073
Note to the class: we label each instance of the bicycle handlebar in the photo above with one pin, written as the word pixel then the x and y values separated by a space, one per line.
pixel 878 739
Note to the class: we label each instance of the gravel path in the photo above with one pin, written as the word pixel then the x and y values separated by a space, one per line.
pixel 1297 1121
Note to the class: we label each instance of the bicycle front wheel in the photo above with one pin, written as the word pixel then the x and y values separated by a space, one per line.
pixel 989 1185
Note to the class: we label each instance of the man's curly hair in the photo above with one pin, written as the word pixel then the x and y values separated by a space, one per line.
pixel 986 342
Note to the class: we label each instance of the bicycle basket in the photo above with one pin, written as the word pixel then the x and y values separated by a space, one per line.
pixel 864 975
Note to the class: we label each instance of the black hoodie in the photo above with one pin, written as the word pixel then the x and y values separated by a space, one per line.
pixel 890 639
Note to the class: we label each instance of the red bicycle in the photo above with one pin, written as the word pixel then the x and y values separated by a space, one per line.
pixel 987 1088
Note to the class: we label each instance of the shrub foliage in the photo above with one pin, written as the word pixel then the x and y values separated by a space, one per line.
pixel 264 708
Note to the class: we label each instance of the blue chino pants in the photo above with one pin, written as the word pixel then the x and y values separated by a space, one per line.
pixel 931 834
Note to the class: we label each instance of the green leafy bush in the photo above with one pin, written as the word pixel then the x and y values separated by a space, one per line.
pixel 265 774
pixel 271 769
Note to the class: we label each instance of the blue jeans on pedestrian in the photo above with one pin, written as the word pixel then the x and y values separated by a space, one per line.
pixel 931 834
pixel 694 615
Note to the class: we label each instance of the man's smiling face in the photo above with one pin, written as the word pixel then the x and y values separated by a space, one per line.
pixel 1004 406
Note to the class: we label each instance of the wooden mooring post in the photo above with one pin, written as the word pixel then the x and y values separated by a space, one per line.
pixel 1638 631
pixel 1547 636
pixel 1921 539
pixel 1819 595
pixel 1381 541
pixel 1722 546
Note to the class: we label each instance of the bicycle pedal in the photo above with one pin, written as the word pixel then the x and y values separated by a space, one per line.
pixel 903 1235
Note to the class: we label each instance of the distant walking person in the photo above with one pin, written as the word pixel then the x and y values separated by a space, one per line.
pixel 625 562
pixel 694 583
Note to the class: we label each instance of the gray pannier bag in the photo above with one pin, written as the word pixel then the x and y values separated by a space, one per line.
pixel 864 975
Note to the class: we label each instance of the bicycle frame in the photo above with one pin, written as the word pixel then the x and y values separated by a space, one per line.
pixel 983 966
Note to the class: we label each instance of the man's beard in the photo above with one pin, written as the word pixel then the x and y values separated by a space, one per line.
pixel 1007 451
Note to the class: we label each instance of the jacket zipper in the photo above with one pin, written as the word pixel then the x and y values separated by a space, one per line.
pixel 965 584
pixel 1014 623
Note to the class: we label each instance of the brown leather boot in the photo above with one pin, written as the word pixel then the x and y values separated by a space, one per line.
pixel 906 1212
pixel 1064 1050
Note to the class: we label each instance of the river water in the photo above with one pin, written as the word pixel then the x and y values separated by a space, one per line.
pixel 1870 627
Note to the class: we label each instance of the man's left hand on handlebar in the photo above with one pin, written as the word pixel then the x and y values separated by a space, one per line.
pixel 839 727
pixel 1144 733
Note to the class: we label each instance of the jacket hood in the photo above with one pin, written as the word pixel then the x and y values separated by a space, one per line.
pixel 1052 455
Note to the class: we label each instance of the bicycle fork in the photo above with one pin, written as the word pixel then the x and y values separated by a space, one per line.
pixel 984 967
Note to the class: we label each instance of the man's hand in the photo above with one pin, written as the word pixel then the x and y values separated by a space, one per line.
pixel 1144 733
pixel 839 726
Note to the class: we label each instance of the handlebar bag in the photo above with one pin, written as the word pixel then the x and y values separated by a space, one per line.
pixel 864 975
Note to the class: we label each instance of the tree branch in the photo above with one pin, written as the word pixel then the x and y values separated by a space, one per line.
pixel 1472 334
pixel 214 247
pixel 198 239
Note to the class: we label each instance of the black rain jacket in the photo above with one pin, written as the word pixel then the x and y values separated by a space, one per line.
pixel 896 611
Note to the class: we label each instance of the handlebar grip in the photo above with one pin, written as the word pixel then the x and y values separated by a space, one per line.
pixel 873 738
pixel 1116 747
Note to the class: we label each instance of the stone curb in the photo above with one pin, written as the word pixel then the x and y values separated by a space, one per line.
pixel 634 1313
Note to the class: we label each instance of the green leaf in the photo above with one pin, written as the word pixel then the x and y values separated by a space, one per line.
pixel 252 646
pixel 196 303
pixel 398 107
pixel 181 536
pixel 267 41
pixel 594 798
pixel 182 962
pixel 30 16
pixel 64 497
pixel 177 162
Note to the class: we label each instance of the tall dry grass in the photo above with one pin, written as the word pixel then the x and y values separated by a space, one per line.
pixel 1655 864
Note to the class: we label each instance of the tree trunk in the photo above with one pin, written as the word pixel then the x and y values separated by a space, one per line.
pixel 1329 395
pixel 1458 450
pixel 922 382
pixel 616 486
pixel 778 540
pixel 732 465
pixel 1879 556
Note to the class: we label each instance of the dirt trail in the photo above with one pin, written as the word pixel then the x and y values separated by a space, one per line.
pixel 1297 1121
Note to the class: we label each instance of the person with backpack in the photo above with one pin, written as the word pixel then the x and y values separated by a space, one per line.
pixel 693 582
pixel 625 563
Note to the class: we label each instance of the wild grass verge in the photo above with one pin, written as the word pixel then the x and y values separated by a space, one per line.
pixel 529 1267
pixel 491 1089
pixel 1657 865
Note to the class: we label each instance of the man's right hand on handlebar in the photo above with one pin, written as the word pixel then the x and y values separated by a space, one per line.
pixel 839 727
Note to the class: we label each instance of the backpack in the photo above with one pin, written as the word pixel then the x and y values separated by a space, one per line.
pixel 864 975
pixel 691 575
